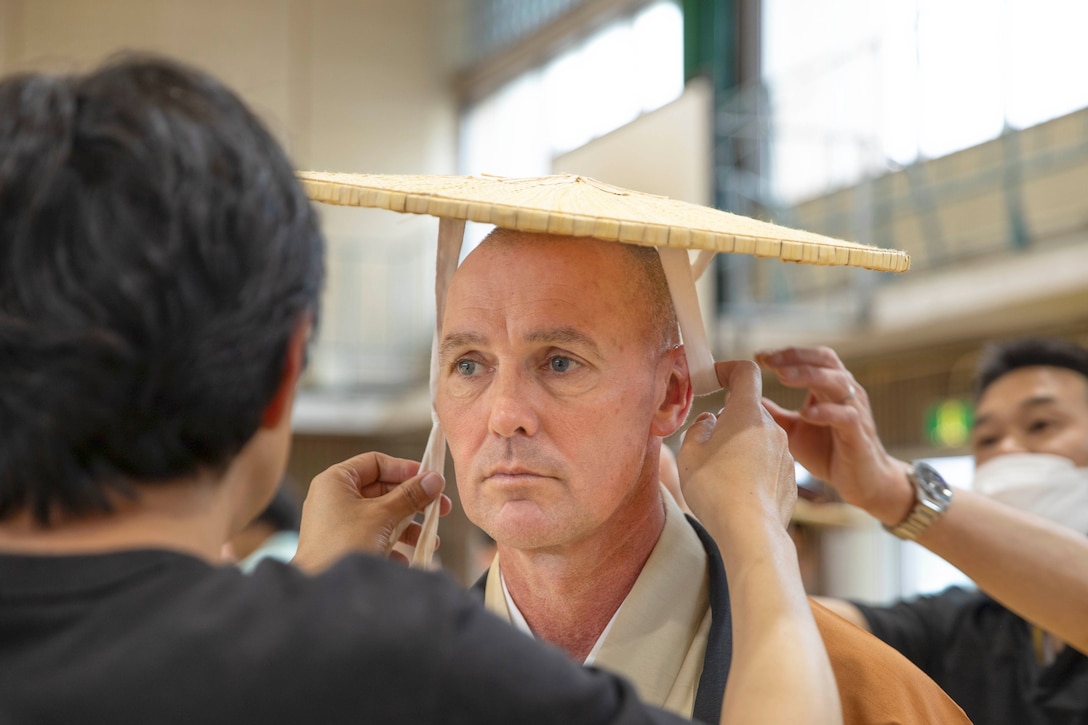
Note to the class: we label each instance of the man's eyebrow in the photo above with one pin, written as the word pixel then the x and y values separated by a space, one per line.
pixel 552 336
pixel 457 340
pixel 563 336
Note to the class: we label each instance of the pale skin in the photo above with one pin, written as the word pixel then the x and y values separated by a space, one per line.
pixel 555 394
pixel 1021 560
pixel 670 477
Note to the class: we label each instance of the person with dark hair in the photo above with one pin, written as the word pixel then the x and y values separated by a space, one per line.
pixel 1013 652
pixel 159 276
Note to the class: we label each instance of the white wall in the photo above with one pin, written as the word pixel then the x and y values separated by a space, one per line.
pixel 665 152
pixel 346 85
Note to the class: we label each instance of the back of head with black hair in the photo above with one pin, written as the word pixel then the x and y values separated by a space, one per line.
pixel 156 254
pixel 1000 358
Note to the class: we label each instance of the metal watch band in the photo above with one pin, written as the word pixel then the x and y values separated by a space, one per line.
pixel 921 516
pixel 932 497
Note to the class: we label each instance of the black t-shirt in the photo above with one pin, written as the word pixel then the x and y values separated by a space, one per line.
pixel 982 655
pixel 161 637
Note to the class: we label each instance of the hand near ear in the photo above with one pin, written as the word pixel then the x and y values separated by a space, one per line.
pixel 736 470
pixel 737 474
pixel 834 433
pixel 360 505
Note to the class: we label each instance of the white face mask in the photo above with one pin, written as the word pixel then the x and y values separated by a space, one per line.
pixel 1039 483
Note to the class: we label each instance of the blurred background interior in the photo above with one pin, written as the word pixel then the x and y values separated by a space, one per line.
pixel 956 130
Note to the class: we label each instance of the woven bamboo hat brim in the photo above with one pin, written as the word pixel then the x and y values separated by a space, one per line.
pixel 579 206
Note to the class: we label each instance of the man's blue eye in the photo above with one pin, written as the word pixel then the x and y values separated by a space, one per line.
pixel 560 364
pixel 466 367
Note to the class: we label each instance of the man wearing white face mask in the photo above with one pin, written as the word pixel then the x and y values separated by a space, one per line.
pixel 1013 652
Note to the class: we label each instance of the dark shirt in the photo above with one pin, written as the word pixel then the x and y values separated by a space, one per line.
pixel 161 637
pixel 983 657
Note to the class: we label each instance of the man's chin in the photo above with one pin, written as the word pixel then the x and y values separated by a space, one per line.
pixel 526 528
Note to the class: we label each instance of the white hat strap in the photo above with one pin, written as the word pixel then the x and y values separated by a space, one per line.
pixel 681 274
pixel 702 261
pixel 451 232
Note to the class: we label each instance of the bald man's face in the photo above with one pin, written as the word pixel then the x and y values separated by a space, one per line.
pixel 554 387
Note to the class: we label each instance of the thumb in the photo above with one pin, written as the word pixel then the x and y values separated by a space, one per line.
pixel 702 429
pixel 414 494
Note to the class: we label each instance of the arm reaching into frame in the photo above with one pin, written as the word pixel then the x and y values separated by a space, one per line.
pixel 736 473
pixel 1034 567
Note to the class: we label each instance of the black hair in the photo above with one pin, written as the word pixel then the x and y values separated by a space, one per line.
pixel 156 255
pixel 1001 358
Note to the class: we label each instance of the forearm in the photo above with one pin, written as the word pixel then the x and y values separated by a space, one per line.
pixel 737 474
pixel 781 671
pixel 1036 569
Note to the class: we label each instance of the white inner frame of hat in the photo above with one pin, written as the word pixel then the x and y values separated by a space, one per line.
pixel 574 205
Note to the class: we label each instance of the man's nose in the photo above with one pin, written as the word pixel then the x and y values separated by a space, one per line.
pixel 1010 443
pixel 511 409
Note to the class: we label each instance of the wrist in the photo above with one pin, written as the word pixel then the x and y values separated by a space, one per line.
pixel 932 498
pixel 901 496
pixel 751 543
pixel 889 496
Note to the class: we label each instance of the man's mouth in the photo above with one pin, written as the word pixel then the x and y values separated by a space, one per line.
pixel 513 474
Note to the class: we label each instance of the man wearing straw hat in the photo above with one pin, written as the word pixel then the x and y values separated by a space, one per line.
pixel 561 374
pixel 557 372
pixel 159 277
pixel 1014 652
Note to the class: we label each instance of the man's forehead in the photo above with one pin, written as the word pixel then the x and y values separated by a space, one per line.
pixel 544 296
pixel 529 260
pixel 1032 387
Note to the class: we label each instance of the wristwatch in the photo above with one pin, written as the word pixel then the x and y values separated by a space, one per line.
pixel 932 497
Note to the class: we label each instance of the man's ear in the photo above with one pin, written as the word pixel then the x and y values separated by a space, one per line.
pixel 284 398
pixel 679 394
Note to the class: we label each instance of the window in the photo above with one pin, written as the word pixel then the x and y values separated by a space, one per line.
pixel 626 69
pixel 858 87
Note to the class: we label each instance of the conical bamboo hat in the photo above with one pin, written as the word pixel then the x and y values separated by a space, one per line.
pixel 579 206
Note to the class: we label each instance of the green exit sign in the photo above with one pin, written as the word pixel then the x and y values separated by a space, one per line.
pixel 948 423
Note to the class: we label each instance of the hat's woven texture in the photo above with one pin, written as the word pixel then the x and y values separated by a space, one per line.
pixel 583 207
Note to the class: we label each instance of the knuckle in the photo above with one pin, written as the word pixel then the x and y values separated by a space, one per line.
pixel 749 367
